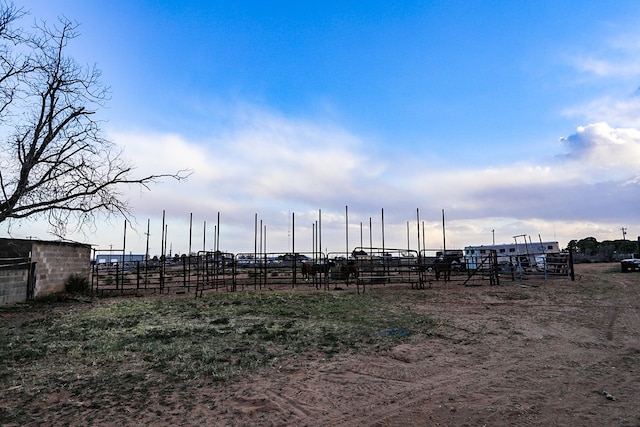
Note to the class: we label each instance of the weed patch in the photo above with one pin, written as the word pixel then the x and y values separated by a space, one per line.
pixel 128 347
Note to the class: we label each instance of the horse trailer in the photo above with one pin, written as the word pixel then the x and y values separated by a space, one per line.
pixel 526 255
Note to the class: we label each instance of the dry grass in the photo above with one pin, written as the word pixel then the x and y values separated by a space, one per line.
pixel 103 351
pixel 532 353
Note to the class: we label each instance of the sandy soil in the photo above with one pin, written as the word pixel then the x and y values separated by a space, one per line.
pixel 554 353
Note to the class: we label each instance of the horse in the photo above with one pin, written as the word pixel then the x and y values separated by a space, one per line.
pixel 307 270
pixel 350 269
pixel 442 267
pixel 310 270
pixel 344 271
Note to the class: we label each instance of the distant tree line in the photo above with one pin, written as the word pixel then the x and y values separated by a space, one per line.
pixel 607 250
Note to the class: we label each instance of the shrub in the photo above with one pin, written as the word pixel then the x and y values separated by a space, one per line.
pixel 77 284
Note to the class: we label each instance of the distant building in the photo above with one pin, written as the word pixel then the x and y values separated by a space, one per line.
pixel 117 258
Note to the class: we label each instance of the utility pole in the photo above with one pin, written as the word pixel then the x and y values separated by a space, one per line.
pixel 288 231
pixel 146 254
pixel 624 233
pixel 444 238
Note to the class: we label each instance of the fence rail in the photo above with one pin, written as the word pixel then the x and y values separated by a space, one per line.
pixel 363 267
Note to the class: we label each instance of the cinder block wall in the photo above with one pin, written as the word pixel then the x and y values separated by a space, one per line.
pixel 56 262
pixel 13 285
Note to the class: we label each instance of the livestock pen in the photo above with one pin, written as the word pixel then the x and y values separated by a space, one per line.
pixel 362 268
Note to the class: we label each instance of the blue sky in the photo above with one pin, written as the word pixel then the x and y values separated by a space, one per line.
pixel 519 117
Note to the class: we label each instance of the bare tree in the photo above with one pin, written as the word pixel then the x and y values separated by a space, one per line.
pixel 54 161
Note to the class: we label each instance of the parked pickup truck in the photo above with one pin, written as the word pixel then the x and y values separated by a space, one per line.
pixel 631 264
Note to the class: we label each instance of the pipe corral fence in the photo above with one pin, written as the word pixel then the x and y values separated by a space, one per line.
pixel 362 268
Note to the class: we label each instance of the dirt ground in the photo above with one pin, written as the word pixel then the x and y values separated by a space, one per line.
pixel 555 353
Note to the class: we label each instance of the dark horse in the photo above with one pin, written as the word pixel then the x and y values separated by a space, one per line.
pixel 310 270
pixel 307 270
pixel 344 271
pixel 442 267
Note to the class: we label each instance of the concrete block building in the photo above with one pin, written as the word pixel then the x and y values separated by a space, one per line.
pixel 36 268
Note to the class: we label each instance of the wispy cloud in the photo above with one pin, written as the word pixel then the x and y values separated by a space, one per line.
pixel 619 111
pixel 606 67
pixel 272 165
pixel 267 162
pixel 617 57
pixel 611 72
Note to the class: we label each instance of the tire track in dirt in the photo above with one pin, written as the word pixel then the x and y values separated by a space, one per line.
pixel 578 378
pixel 543 358
pixel 611 323
pixel 391 389
pixel 440 391
pixel 629 320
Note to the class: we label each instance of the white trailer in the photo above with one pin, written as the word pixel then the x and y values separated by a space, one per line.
pixel 528 254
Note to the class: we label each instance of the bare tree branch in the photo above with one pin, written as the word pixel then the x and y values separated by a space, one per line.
pixel 54 161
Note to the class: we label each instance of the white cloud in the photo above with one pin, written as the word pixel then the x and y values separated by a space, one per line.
pixel 280 158
pixel 269 165
pixel 616 58
pixel 261 163
pixel 273 166
pixel 601 67
pixel 610 72
pixel 618 111
pixel 598 152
